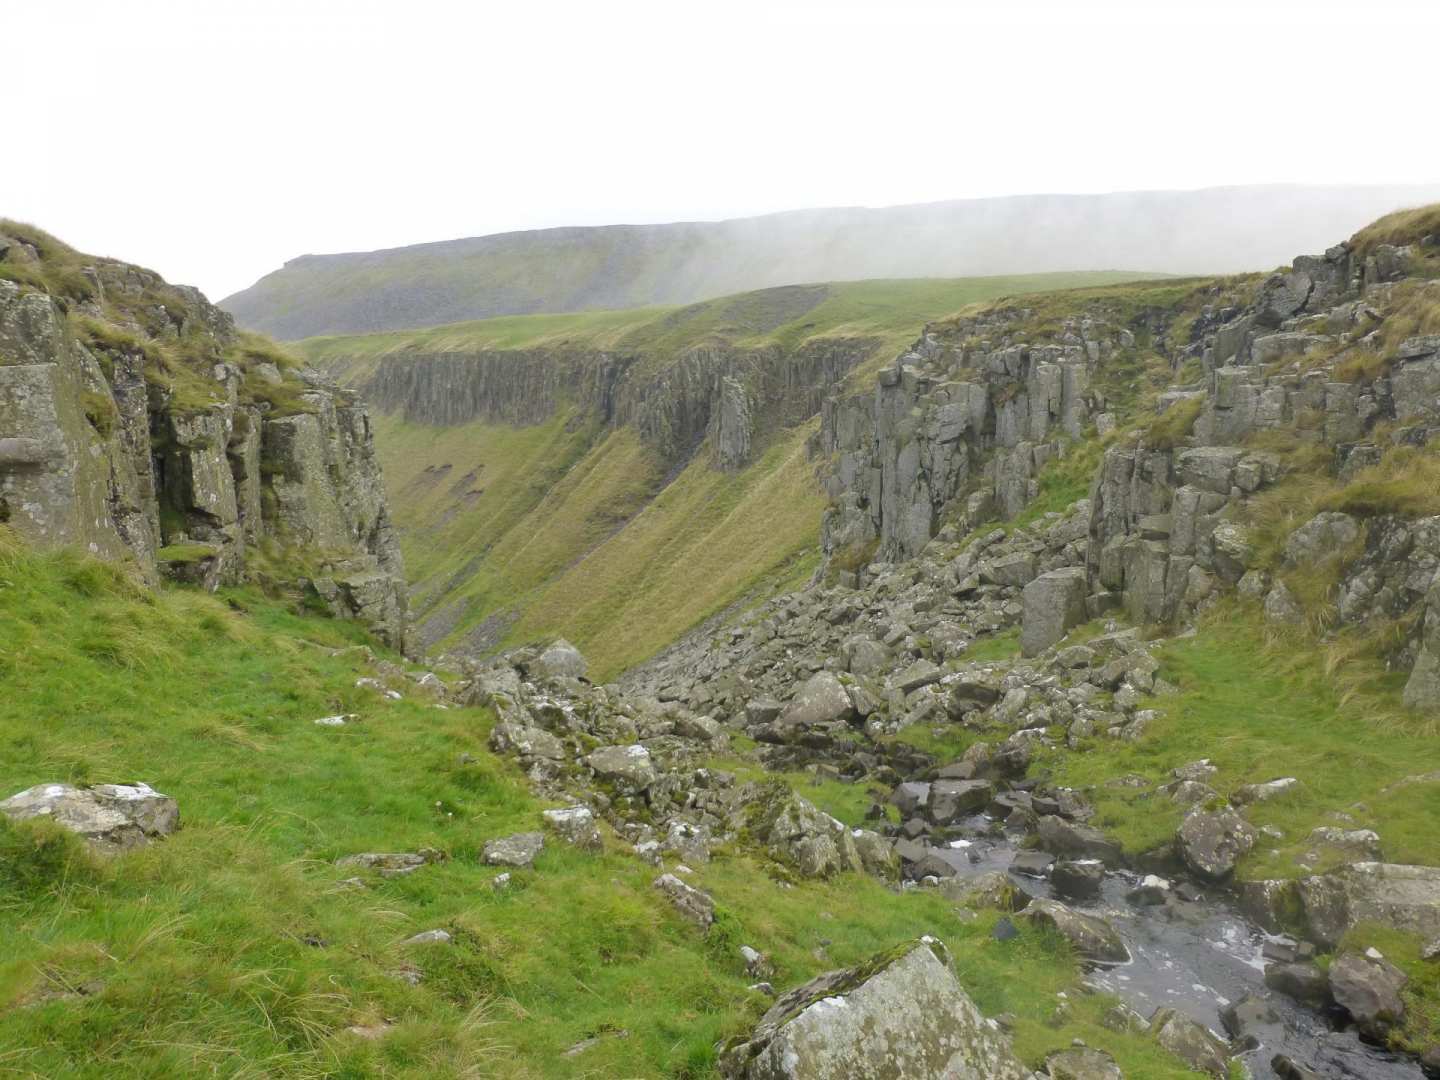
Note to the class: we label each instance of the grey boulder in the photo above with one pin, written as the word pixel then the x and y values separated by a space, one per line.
pixel 559 660
pixel 519 850
pixel 627 769
pixel 1392 894
pixel 1092 937
pixel 1368 988
pixel 820 700
pixel 1052 604
pixel 112 817
pixel 575 825
pixel 1210 844
pixel 1191 1042
pixel 902 1014
pixel 1082 1063
pixel 690 902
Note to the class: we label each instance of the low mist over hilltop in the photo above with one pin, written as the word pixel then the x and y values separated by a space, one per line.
pixel 1213 230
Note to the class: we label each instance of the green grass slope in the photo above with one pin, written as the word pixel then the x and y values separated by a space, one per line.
pixel 232 949
pixel 515 533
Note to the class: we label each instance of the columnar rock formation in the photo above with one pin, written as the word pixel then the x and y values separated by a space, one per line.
pixel 732 394
pixel 1316 359
pixel 135 423
pixel 951 414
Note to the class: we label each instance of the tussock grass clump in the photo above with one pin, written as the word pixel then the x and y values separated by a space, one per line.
pixel 1400 228
pixel 1406 482
pixel 1174 425
pixel 1362 366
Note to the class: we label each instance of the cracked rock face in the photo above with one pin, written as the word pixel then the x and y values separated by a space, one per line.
pixel 901 1017
pixel 112 817
pixel 96 454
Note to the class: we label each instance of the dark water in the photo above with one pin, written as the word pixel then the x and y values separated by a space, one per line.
pixel 1199 960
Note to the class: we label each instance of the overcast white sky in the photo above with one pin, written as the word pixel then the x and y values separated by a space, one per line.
pixel 213 139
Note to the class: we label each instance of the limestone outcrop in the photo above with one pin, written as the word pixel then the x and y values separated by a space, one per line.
pixel 137 424
pixel 968 413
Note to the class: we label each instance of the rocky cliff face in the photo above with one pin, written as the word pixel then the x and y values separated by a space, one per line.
pixel 732 394
pixel 960 411
pixel 1327 374
pixel 136 423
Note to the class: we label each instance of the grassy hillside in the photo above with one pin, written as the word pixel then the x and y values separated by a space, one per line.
pixel 514 533
pixel 234 949
pixel 893 310
pixel 620 266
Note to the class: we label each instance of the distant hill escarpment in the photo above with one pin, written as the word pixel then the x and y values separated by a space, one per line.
pixel 1215 230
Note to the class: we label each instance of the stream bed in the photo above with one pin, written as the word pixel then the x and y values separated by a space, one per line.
pixel 1197 958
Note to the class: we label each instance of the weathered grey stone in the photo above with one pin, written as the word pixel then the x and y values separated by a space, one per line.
pixel 391 864
pixel 508 737
pixel 1082 1063
pixel 1210 843
pixel 794 832
pixel 693 904
pixel 951 800
pixel 1368 988
pixel 1360 844
pixel 821 700
pixel 1253 793
pixel 902 1014
pixel 919 674
pixel 112 817
pixel 1061 837
pixel 1282 607
pixel 628 769
pixel 1053 603
pixel 1390 894
pixel 911 797
pixel 559 659
pixel 1191 1042
pixel 731 426
pixel 1301 981
pixel 866 656
pixel 1091 936
pixel 992 889
pixel 575 825
pixel 877 854
pixel 1326 534
pixel 1077 879
pixel 518 850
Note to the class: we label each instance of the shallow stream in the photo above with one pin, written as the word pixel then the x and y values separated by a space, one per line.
pixel 1198 960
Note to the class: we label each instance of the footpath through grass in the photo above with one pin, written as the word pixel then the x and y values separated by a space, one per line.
pixel 232 948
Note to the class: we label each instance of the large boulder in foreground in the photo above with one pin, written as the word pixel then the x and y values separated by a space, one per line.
pixel 112 817
pixel 795 832
pixel 900 1016
pixel 1391 894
